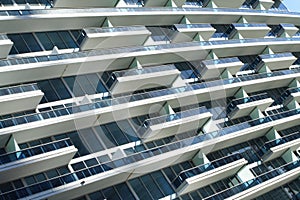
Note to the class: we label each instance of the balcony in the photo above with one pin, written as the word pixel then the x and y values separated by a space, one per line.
pixel 214 68
pixel 102 38
pixel 5 46
pixel 62 120
pixel 68 64
pixel 139 79
pixel 164 126
pixel 19 98
pixel 187 32
pixel 261 184
pixel 244 106
pixel 252 30
pixel 81 4
pixel 36 159
pixel 290 29
pixel 200 176
pixel 290 94
pixel 278 61
pixel 119 170
pixel 277 147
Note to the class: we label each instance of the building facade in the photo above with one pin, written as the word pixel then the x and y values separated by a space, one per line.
pixel 149 99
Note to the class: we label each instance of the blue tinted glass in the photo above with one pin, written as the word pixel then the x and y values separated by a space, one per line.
pixel 46 42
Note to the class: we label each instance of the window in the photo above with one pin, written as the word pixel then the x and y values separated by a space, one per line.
pixel 151 186
pixel 33 42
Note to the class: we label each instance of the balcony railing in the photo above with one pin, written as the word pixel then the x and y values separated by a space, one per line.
pixel 256 181
pixel 18 89
pixel 204 168
pixel 267 146
pixel 38 59
pixel 192 26
pixel 221 61
pixel 233 104
pixel 278 55
pixel 3 37
pixel 133 158
pixel 12 2
pixel 114 29
pixel 249 25
pixel 33 151
pixel 169 118
pixel 288 93
pixel 132 98
pixel 133 72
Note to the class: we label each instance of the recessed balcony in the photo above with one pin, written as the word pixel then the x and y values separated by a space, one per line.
pixel 290 94
pixel 5 46
pixel 200 176
pixel 36 159
pixel 214 68
pixel 145 78
pixel 244 106
pixel 164 126
pixel 277 147
pixel 19 98
pixel 102 38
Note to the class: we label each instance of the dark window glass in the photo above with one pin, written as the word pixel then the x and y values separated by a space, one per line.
pixel 31 42
pixel 46 42
pixel 117 133
pixel 69 41
pixel 56 40
pixel 124 191
pixel 74 86
pixel 19 43
pixel 139 189
pixel 60 89
pixel 110 193
pixel 49 93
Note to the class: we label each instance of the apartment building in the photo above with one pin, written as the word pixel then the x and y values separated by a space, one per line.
pixel 149 99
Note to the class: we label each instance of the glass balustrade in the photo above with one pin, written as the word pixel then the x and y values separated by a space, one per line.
pixel 136 97
pixel 221 61
pixel 33 151
pixel 92 53
pixel 233 104
pixel 249 25
pixel 169 118
pixel 141 10
pixel 204 168
pixel 18 89
pixel 3 37
pixel 256 181
pixel 288 25
pixel 267 146
pixel 133 72
pixel 278 55
pixel 288 93
pixel 192 26
pixel 133 158
pixel 12 2
pixel 115 29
